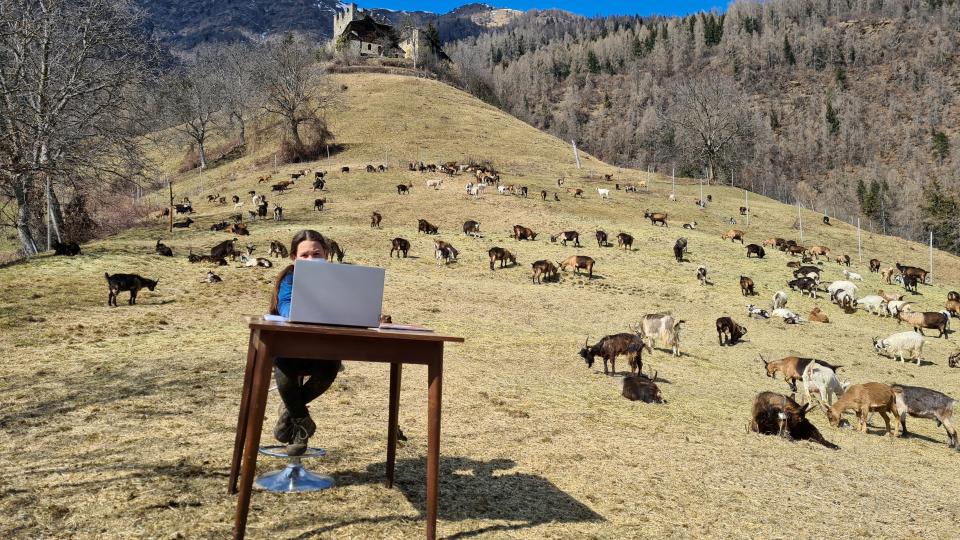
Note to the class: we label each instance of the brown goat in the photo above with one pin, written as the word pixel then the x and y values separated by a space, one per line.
pixel 792 368
pixel 875 266
pixel 953 308
pixel 729 332
pixel 400 245
pixel 502 255
pixel 656 217
pixel 375 219
pixel 817 315
pixel 625 241
pixel 642 388
pixel 544 269
pixel 864 399
pixel 927 319
pixel 777 414
pixel 523 233
pixel 733 234
pixel 746 286
pixel 578 262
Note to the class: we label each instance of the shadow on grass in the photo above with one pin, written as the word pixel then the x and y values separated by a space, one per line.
pixel 472 490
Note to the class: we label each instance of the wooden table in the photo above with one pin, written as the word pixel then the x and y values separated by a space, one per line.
pixel 270 339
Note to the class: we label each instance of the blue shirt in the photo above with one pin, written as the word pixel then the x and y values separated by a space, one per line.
pixel 284 295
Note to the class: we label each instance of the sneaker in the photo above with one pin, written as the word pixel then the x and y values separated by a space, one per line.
pixel 283 430
pixel 302 429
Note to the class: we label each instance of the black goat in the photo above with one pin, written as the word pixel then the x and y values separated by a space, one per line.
pixel 127 282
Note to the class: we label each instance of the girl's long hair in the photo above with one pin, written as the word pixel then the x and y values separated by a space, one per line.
pixel 302 236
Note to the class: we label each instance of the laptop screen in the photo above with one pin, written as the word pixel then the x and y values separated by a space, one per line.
pixel 336 294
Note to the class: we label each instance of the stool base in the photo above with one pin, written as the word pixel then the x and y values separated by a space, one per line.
pixel 293 478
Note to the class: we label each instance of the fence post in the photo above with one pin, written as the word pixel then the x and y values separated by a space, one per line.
pixel 673 182
pixel 576 155
pixel 859 250
pixel 746 203
pixel 170 187
pixel 931 258
pixel 800 220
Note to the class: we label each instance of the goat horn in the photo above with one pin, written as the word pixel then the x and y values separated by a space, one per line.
pixel 655 376
pixel 762 359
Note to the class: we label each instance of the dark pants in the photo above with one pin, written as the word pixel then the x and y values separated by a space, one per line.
pixel 296 390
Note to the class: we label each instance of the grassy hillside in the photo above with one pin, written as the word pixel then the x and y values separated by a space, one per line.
pixel 119 422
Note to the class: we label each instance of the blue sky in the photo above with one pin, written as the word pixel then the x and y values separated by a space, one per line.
pixel 582 7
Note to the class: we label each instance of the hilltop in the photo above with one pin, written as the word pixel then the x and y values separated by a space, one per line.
pixel 133 408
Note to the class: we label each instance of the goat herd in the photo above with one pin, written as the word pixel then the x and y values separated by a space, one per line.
pixel 772 413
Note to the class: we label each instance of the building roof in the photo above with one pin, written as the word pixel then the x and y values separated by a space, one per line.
pixel 367 29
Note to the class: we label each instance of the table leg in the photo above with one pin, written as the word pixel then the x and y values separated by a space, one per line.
pixel 258 404
pixel 393 421
pixel 242 417
pixel 435 378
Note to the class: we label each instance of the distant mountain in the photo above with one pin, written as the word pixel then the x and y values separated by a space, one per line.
pixel 184 24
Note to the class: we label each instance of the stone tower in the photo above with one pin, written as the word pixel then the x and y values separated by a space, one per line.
pixel 342 18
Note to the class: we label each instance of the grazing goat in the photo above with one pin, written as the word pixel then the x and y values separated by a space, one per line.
pixel 335 251
pixel 679 247
pixel 843 260
pixel 902 344
pixel 845 300
pixel 874 304
pixel 746 286
pixel 779 300
pixel 853 276
pixel 837 286
pixel 792 367
pixel 127 282
pixel 319 203
pixel 921 402
pixel 729 332
pixel 604 193
pixel 185 208
pixel 927 319
pixel 424 226
pixel 895 307
pixel 953 308
pixel 804 285
pixel 68 249
pixel 889 297
pixel 444 252
pixel 544 269
pixel 702 275
pixel 818 251
pixel 821 380
pixel 612 346
pixel 919 273
pixel 523 233
pixel 375 219
pixel 656 217
pixel 471 228
pixel 777 414
pixel 601 238
pixel 278 249
pixel 502 255
pixel 953 295
pixel 402 189
pixel 400 245
pixel 865 399
pixel 566 236
pixel 661 327
pixel 875 266
pixel 642 388
pixel 163 249
pixel 625 241
pixel 754 249
pixel 732 235
pixel 578 262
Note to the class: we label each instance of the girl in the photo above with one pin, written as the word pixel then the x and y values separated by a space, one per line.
pixel 294 425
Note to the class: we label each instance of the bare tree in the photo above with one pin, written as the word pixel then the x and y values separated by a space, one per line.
pixel 294 86
pixel 711 123
pixel 235 66
pixel 65 69
pixel 194 96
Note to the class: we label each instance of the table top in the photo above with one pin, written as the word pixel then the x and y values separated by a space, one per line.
pixel 257 322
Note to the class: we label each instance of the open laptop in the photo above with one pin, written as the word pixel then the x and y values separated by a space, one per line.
pixel 336 294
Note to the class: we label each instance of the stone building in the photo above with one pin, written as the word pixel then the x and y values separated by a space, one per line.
pixel 356 32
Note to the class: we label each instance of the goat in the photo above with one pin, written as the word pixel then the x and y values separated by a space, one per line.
pixel 691 226
pixel 375 219
pixel 183 224
pixel 656 217
pixel 788 316
pixel 754 249
pixel 837 286
pixel 502 255
pixel 821 380
pixel 953 308
pixel 792 367
pixel 544 268
pixel 424 226
pixel 335 251
pixel 604 193
pixel 578 262
pixel 760 313
pixel 746 286
pixel 887 275
pixel 954 360
pixel 845 300
pixel 875 266
pixel 435 184
pixel 68 249
pixel 729 332
pixel 625 241
pixel 250 262
pixel 471 228
pixel 818 251
pixel 679 247
pixel 853 276
pixel 642 388
pixel 612 346
pixel 900 344
pixel 163 249
pixel 213 278
pixel 895 307
pixel 777 414
pixel 223 249
pixel 921 402
pixel 185 208
pixel 318 204
pixel 566 236
pixel 444 252
pixel 927 319
pixel 601 238
pixel 400 245
pixel 779 300
pixel 806 270
pixel 874 304
pixel 864 399
pixel 889 297
pixel 402 189
pixel 278 249
pixel 344 169
pixel 843 260
pixel 817 315
pixel 919 273
pixel 732 235
pixel 127 282
pixel 661 327
pixel 804 285
pixel 953 295
pixel 523 233
pixel 702 275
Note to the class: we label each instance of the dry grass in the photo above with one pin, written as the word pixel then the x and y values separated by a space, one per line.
pixel 118 422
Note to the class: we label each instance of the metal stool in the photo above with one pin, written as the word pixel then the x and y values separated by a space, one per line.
pixel 293 478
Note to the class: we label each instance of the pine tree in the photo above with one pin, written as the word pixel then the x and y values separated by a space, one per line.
pixel 832 119
pixel 941 146
pixel 788 52
pixel 940 213
pixel 593 64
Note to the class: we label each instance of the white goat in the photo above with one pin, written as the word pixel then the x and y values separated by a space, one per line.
pixel 821 380
pixel 852 275
pixel 837 286
pixel 896 307
pixel 604 193
pixel 779 300
pixel 435 184
pixel 873 304
pixel 788 316
pixel 900 344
